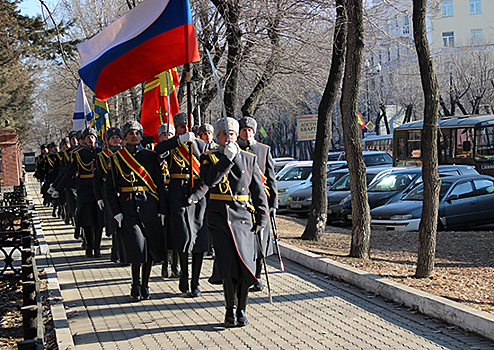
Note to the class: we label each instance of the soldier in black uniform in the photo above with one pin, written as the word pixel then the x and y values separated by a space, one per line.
pixel 113 137
pixel 187 208
pixel 89 216
pixel 246 141
pixel 165 132
pixel 137 200
pixel 234 182
pixel 39 174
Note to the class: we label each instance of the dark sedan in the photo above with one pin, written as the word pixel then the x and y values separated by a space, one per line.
pixel 463 201
pixel 341 189
pixel 391 188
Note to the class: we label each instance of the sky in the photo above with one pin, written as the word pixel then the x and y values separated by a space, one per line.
pixel 30 7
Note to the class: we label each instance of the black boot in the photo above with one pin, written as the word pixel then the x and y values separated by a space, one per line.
pixel 175 273
pixel 258 286
pixel 242 296
pixel 196 273
pixel 146 273
pixel 135 290
pixel 114 256
pixel 164 268
pixel 88 239
pixel 230 302
pixel 183 284
pixel 97 233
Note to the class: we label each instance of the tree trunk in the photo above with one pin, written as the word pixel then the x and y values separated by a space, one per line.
pixel 352 131
pixel 319 207
pixel 428 224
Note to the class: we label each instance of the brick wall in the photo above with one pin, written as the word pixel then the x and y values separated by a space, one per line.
pixel 11 156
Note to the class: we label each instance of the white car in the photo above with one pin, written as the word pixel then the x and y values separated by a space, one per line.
pixel 297 177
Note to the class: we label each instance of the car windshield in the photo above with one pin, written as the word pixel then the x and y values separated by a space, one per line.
pixel 417 194
pixel 343 184
pixel 391 182
pixel 377 159
pixel 297 173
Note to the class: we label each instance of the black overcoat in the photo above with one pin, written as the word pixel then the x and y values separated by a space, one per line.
pixel 187 223
pixel 141 230
pixel 87 212
pixel 231 223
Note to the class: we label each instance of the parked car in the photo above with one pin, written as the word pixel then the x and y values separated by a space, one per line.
pixel 334 155
pixel 374 158
pixel 341 189
pixel 464 200
pixel 279 163
pixel 300 198
pixel 298 176
pixel 392 187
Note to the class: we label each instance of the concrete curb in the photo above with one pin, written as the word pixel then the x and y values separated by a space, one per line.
pixel 60 322
pixel 452 312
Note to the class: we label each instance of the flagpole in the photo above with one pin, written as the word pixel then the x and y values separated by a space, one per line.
pixel 189 95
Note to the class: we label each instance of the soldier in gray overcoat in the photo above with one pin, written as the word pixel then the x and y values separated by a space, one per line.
pixel 247 142
pixel 137 200
pixel 235 182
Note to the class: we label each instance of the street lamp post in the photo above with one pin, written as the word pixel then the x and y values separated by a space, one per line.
pixel 369 72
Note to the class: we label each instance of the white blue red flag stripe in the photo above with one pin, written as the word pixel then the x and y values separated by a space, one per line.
pixel 82 110
pixel 154 36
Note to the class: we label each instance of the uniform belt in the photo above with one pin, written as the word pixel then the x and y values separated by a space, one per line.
pixel 134 189
pixel 86 176
pixel 183 176
pixel 229 197
pixel 167 181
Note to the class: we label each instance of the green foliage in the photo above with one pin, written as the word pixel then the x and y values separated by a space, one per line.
pixel 23 37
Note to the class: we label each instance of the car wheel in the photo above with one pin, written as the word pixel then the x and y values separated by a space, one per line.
pixel 440 226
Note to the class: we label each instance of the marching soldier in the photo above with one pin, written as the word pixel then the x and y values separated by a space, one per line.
pixel 186 209
pixel 113 137
pixel 53 166
pixel 137 200
pixel 89 217
pixel 234 182
pixel 39 174
pixel 246 141
pixel 165 132
pixel 205 132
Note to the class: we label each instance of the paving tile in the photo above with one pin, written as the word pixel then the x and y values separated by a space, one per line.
pixel 310 310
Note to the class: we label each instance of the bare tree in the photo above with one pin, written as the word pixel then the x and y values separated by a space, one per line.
pixel 428 223
pixel 318 212
pixel 351 131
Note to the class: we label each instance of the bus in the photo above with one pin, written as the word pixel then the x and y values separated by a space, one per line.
pixel 378 143
pixel 467 140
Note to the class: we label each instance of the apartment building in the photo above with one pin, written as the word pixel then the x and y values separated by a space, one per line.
pixel 460 23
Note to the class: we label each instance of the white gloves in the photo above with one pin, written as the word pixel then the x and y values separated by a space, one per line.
pixel 55 194
pixel 101 204
pixel 119 218
pixel 51 189
pixel 162 217
pixel 187 137
pixel 231 150
pixel 193 199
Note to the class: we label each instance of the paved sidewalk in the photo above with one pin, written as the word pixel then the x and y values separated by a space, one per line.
pixel 309 310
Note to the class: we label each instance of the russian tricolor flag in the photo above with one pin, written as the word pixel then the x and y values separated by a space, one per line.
pixel 154 36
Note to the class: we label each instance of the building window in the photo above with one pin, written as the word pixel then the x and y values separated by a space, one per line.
pixel 406 24
pixel 447 8
pixel 449 39
pixel 475 6
pixel 476 36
